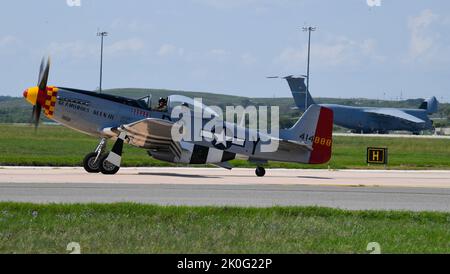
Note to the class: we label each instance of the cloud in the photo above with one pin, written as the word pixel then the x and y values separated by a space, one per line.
pixel 335 52
pixel 127 46
pixel 218 54
pixel 248 59
pixel 73 49
pixel 132 25
pixel 168 50
pixel 82 50
pixel 256 5
pixel 423 41
pixel 8 44
pixel 8 41
pixel 227 4
pixel 204 56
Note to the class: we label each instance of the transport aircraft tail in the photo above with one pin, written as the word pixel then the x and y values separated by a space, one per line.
pixel 431 105
pixel 302 97
pixel 315 129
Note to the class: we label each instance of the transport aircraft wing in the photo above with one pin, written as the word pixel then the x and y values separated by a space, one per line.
pixel 395 113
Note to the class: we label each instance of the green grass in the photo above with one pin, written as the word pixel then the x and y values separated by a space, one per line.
pixel 59 146
pixel 134 228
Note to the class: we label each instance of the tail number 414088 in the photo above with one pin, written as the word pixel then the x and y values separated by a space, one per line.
pixel 316 140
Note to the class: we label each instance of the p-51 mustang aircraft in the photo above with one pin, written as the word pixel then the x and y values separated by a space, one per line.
pixel 134 122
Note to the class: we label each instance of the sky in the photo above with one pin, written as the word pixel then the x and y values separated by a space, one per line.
pixel 390 49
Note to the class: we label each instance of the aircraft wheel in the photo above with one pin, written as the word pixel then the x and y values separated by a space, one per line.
pixel 260 171
pixel 89 163
pixel 106 167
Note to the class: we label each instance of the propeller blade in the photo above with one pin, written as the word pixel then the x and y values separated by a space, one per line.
pixel 36 116
pixel 41 70
pixel 43 78
pixel 42 83
pixel 32 115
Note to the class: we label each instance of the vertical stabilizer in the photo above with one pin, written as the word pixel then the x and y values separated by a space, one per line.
pixel 302 97
pixel 431 105
pixel 315 128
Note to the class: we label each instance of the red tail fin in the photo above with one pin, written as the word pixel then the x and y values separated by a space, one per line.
pixel 323 139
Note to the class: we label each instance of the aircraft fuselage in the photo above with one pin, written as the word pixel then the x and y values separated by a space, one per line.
pixel 359 120
pixel 90 113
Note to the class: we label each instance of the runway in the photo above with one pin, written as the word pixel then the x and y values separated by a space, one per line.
pixel 351 189
pixel 411 136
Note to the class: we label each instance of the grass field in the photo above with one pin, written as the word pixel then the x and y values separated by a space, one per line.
pixel 133 228
pixel 59 146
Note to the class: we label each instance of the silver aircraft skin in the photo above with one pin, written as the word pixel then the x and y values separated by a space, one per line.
pixel 136 123
pixel 370 119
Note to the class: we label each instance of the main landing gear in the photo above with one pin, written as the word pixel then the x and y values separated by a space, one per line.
pixel 95 162
pixel 260 171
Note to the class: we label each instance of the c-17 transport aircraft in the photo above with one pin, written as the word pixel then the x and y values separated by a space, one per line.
pixel 369 119
pixel 134 122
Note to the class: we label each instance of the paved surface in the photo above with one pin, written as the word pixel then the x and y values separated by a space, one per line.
pixel 424 190
pixel 394 136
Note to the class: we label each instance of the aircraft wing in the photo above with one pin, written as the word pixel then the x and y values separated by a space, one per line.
pixel 396 113
pixel 152 133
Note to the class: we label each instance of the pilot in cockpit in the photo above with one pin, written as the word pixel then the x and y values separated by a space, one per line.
pixel 162 104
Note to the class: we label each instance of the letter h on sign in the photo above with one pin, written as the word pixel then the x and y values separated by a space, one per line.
pixel 377 155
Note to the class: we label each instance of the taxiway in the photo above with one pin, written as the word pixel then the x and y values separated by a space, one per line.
pixel 349 189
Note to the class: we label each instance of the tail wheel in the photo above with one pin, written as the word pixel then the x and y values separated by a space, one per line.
pixel 260 171
pixel 106 167
pixel 89 163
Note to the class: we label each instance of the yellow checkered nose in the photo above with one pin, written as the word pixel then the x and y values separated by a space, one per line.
pixel 31 95
pixel 44 99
